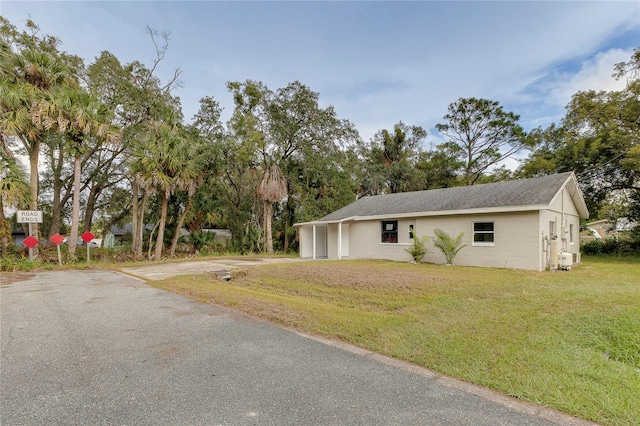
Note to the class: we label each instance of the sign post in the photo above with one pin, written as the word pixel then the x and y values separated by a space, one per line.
pixel 30 217
pixel 30 242
pixel 87 237
pixel 57 240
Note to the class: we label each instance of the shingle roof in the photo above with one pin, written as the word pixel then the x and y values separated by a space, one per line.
pixel 517 193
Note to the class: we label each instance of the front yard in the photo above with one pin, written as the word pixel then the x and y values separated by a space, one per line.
pixel 568 340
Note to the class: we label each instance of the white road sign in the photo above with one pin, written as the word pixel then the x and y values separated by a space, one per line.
pixel 29 216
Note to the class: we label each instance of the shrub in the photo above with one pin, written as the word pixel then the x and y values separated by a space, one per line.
pixel 611 246
pixel 201 239
pixel 419 247
pixel 26 265
pixel 448 245
pixel 6 264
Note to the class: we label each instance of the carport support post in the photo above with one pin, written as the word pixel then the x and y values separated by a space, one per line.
pixel 314 242
pixel 339 240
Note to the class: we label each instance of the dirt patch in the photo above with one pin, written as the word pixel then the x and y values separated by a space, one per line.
pixel 272 312
pixel 363 275
pixel 7 278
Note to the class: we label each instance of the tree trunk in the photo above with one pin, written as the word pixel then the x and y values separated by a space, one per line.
pixel 135 242
pixel 268 213
pixel 33 184
pixel 56 210
pixel 5 230
pixel 59 202
pixel 141 224
pixel 90 207
pixel 150 244
pixel 75 211
pixel 285 247
pixel 176 235
pixel 468 172
pixel 288 213
pixel 56 206
pixel 163 219
pixel 138 205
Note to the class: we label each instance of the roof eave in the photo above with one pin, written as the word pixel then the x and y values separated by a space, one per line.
pixel 325 222
pixel 483 210
pixel 576 196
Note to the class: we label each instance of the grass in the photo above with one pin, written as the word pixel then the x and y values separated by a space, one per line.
pixel 567 340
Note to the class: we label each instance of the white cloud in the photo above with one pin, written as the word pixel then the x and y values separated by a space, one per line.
pixel 594 74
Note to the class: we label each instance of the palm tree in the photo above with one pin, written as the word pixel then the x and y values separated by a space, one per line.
pixel 449 246
pixel 271 189
pixel 26 79
pixel 188 179
pixel 83 120
pixel 163 163
pixel 14 189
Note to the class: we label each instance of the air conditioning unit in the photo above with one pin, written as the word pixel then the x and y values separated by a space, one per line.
pixel 577 258
pixel 565 261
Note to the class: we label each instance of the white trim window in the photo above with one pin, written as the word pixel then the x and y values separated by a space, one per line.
pixel 571 234
pixel 483 234
pixel 389 231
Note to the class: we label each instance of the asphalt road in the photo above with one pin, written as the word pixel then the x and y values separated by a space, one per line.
pixel 102 348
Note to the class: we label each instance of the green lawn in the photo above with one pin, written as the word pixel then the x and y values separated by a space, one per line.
pixel 568 340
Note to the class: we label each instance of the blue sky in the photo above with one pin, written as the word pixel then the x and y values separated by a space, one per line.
pixel 376 62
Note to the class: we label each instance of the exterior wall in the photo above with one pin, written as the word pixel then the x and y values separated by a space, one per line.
pixel 306 241
pixel 516 245
pixel 332 240
pixel 366 240
pixel 345 240
pixel 565 216
pixel 516 241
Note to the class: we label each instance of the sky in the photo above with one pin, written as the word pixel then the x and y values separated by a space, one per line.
pixel 377 63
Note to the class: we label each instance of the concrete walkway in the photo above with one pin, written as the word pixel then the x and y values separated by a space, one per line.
pixel 102 348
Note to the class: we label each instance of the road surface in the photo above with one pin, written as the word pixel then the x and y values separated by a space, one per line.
pixel 103 348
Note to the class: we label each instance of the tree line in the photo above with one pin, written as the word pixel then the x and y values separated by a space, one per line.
pixel 117 149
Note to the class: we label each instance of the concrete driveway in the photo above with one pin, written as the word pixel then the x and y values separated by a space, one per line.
pixel 101 348
pixel 159 271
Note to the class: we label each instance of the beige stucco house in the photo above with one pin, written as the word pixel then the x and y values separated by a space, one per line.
pixel 516 224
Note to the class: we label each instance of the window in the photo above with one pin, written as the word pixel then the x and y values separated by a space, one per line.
pixel 552 230
pixel 411 232
pixel 483 233
pixel 571 233
pixel 390 231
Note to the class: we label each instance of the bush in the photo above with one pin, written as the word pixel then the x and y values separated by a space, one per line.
pixel 202 240
pixel 6 264
pixel 419 247
pixel 621 246
pixel 26 265
pixel 449 245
